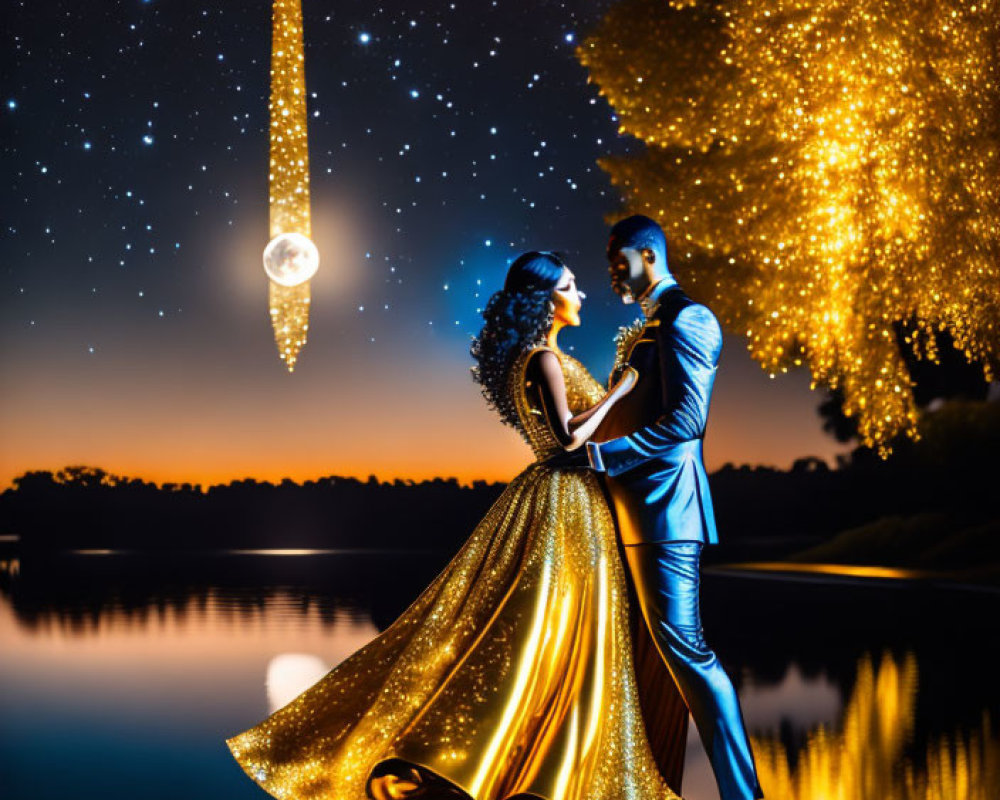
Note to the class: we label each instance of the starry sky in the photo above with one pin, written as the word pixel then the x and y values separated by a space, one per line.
pixel 445 138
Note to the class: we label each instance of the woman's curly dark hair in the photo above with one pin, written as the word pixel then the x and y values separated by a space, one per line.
pixel 517 317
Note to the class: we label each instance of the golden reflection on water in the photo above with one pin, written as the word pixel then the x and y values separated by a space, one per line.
pixel 842 570
pixel 865 760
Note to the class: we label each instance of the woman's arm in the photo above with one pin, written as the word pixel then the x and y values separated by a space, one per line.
pixel 545 372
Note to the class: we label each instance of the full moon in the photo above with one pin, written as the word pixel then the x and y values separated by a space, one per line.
pixel 290 259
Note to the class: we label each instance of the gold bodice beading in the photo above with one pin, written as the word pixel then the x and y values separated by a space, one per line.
pixel 582 392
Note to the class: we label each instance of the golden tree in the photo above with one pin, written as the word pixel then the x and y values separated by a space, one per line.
pixel 827 174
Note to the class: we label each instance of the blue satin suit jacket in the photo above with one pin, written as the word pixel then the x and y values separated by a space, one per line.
pixel 650 444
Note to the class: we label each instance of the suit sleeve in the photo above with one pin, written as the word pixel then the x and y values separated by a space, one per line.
pixel 689 351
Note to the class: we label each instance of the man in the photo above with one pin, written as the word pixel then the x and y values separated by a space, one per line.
pixel 652 456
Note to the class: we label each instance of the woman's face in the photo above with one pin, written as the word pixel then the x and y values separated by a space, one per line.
pixel 567 299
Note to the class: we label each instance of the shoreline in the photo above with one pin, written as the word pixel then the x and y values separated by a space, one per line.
pixel 849 574
pixel 827 573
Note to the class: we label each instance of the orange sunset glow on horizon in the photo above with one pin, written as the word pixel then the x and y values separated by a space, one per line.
pixel 360 419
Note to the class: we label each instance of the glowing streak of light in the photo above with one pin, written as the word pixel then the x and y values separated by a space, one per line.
pixel 288 178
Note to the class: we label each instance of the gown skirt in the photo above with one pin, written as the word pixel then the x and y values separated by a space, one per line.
pixel 513 674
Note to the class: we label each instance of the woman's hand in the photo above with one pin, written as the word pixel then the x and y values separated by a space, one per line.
pixel 625 379
pixel 583 426
pixel 569 430
pixel 628 380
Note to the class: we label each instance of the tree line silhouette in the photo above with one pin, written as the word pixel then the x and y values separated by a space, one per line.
pixel 926 492
pixel 88 507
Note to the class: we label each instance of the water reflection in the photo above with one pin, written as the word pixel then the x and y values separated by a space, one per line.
pixel 81 594
pixel 797 702
pixel 260 551
pixel 120 666
pixel 865 757
pixel 770 568
pixel 290 674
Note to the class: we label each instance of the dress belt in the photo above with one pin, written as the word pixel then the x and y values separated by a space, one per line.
pixel 567 459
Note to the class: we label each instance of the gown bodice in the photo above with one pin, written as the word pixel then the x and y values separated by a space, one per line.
pixel 582 392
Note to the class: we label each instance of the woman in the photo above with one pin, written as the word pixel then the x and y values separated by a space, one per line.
pixel 512 673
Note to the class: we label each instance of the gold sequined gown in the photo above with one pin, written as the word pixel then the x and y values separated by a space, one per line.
pixel 510 675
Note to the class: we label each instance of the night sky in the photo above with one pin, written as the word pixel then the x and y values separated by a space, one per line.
pixel 445 138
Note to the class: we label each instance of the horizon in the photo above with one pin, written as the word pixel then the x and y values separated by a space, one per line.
pixel 136 323
pixel 361 478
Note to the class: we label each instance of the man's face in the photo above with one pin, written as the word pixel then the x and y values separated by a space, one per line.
pixel 627 269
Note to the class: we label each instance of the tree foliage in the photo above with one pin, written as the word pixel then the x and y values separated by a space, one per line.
pixel 825 172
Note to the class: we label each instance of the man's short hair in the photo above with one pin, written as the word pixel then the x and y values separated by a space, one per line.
pixel 639 232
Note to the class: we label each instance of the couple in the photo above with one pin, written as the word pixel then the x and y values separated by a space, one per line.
pixel 513 675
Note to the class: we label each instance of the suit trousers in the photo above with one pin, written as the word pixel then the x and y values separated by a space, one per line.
pixel 667 578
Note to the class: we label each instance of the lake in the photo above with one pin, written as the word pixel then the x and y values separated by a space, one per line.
pixel 121 674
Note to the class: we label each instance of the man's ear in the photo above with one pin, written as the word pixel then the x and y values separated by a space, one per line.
pixel 648 256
